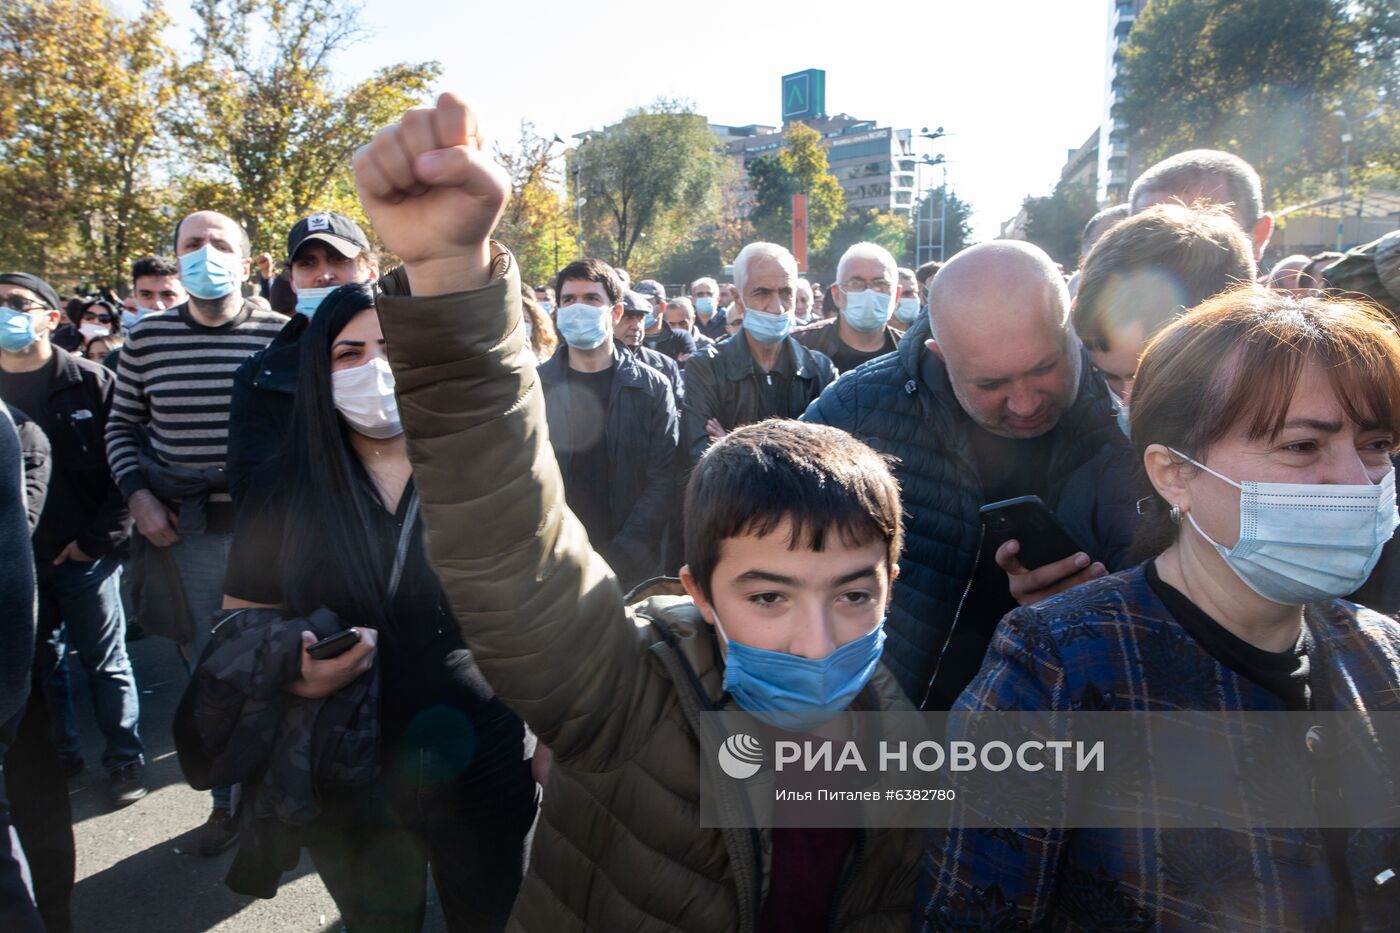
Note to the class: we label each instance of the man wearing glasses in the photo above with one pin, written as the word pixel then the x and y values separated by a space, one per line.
pixel 864 293
pixel 83 530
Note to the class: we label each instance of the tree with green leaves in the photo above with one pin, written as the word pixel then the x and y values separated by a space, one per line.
pixel 868 226
pixel 269 134
pixel 800 167
pixel 1262 79
pixel 1056 222
pixel 654 175
pixel 538 224
pixel 86 104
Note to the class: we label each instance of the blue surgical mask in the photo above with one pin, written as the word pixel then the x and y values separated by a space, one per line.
pixel 584 326
pixel 704 305
pixel 16 330
pixel 767 328
pixel 209 273
pixel 798 694
pixel 547 307
pixel 867 311
pixel 309 299
pixel 1307 542
pixel 907 310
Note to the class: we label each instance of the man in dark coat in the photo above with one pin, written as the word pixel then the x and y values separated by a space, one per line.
pixel 613 425
pixel 1000 405
pixel 760 372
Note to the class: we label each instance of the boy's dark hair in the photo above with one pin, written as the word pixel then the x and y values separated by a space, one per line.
pixel 820 478
pixel 1156 263
pixel 591 270
pixel 153 265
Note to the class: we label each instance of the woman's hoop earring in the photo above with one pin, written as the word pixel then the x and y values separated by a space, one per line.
pixel 1176 514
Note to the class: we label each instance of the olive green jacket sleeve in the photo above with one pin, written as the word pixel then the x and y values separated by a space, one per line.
pixel 541 612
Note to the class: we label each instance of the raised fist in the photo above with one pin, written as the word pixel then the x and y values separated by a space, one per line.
pixel 434 195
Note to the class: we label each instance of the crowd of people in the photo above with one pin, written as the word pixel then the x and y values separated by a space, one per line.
pixel 456 562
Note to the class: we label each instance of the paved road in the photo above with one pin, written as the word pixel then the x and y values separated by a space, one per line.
pixel 136 869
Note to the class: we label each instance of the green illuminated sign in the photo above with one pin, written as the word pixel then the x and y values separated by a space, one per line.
pixel 804 94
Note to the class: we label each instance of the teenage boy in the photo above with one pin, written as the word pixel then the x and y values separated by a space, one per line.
pixel 616 691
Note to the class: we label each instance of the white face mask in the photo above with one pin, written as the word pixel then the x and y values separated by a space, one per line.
pixel 93 331
pixel 364 396
pixel 1304 542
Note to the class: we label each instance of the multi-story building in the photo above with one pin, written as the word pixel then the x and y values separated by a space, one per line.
pixel 1117 167
pixel 874 164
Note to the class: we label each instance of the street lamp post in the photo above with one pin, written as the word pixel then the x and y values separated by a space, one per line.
pixel 578 194
pixel 919 239
pixel 1346 174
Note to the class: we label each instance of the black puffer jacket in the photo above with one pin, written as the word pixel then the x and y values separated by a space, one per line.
pixel 902 404
pixel 641 438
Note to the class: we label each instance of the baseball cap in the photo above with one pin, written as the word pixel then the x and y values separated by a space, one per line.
pixel 651 287
pixel 335 230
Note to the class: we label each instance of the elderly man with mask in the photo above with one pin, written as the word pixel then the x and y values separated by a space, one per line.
pixel 761 371
pixel 324 252
pixel 709 316
pixel 866 282
pixel 988 398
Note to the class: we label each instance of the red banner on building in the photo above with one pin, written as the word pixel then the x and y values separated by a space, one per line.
pixel 799 230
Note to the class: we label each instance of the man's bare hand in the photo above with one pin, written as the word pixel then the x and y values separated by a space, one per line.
pixel 715 429
pixel 152 518
pixel 434 194
pixel 72 552
pixel 1031 586
pixel 322 678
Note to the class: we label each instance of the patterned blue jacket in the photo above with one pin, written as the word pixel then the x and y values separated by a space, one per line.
pixel 1113 645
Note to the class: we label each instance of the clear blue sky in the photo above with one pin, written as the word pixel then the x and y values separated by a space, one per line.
pixel 1017 82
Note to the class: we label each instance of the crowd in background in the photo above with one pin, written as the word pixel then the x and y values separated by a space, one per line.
pixel 787 479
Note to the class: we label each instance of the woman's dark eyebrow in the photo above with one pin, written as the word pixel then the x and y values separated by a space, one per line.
pixel 349 343
pixel 1313 424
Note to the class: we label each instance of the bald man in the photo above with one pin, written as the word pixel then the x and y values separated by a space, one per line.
pixel 174 383
pixel 1289 275
pixel 988 397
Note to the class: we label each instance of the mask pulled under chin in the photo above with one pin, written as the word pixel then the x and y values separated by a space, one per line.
pixel 364 396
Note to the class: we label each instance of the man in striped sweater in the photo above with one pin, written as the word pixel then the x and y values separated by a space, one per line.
pixel 167 436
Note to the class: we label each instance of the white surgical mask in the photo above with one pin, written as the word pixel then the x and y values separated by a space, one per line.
pixel 93 331
pixel 1307 542
pixel 364 396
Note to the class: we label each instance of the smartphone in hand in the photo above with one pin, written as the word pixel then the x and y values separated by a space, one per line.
pixel 1027 520
pixel 333 646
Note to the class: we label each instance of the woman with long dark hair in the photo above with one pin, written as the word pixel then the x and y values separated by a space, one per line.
pixel 332 523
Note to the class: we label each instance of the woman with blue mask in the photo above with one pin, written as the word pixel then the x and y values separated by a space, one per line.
pixel 1265 425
